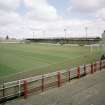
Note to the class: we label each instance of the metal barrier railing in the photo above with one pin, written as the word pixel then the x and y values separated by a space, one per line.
pixel 24 87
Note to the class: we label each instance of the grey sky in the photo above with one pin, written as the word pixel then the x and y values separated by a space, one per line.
pixel 47 18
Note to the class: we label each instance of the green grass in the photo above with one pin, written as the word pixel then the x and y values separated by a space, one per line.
pixel 24 60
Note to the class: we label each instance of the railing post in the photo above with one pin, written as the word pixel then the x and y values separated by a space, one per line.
pixel 42 83
pixel 100 65
pixel 104 64
pixel 85 70
pixel 69 75
pixel 94 67
pixel 25 86
pixel 92 70
pixel 19 88
pixel 78 72
pixel 3 89
pixel 3 92
pixel 59 79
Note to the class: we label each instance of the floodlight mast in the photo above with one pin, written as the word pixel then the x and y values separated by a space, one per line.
pixel 86 28
pixel 33 35
pixel 43 33
pixel 65 30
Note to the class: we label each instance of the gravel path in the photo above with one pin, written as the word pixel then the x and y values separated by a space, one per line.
pixel 89 90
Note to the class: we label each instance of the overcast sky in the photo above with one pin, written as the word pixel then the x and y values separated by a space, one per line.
pixel 49 18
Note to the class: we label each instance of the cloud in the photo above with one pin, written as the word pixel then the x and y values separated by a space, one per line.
pixel 87 6
pixel 9 5
pixel 40 9
pixel 7 18
pixel 91 10
pixel 41 17
pixel 101 14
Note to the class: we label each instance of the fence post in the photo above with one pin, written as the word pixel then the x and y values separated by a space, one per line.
pixel 78 72
pixel 19 88
pixel 25 86
pixel 42 83
pixel 69 75
pixel 100 65
pixel 92 71
pixel 59 79
pixel 104 64
pixel 3 89
pixel 94 67
pixel 85 70
pixel 3 92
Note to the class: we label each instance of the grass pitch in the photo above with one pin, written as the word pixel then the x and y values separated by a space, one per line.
pixel 24 60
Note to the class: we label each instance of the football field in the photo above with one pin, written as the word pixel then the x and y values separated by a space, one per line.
pixel 24 60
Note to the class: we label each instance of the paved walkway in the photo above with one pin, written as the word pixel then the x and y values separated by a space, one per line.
pixel 89 90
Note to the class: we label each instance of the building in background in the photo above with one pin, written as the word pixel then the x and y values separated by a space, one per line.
pixel 79 41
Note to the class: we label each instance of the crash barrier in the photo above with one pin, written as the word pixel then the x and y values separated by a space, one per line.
pixel 25 87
